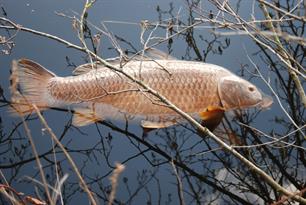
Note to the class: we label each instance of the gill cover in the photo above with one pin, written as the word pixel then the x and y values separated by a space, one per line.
pixel 235 92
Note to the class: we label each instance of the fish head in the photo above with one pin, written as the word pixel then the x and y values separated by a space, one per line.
pixel 235 92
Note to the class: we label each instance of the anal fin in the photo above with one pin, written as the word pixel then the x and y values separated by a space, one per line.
pixel 156 125
pixel 84 116
pixel 149 126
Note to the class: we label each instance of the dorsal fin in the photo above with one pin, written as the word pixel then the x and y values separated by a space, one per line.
pixel 115 61
pixel 150 53
pixel 85 68
pixel 157 54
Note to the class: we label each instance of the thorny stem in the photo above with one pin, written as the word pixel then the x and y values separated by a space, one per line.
pixel 192 121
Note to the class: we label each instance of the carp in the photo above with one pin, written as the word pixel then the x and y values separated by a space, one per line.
pixel 96 92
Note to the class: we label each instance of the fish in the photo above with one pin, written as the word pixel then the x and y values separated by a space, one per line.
pixel 96 93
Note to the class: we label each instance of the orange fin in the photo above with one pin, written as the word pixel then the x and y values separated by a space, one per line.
pixel 156 125
pixel 84 116
pixel 212 116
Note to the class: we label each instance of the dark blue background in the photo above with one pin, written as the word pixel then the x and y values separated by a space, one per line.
pixel 40 15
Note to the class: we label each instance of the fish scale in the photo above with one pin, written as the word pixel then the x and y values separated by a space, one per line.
pixel 190 87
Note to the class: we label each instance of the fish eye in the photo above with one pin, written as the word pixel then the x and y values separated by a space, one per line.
pixel 251 88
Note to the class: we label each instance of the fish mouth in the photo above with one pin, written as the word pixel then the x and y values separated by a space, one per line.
pixel 265 102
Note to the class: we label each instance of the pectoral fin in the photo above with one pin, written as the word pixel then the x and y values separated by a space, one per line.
pixel 212 116
pixel 84 116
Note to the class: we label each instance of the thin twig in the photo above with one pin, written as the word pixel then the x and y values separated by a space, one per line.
pixel 300 18
pixel 283 53
pixel 180 184
pixel 75 168
pixel 41 171
pixel 274 93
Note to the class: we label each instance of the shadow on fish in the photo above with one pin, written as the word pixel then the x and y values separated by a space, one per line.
pixel 96 93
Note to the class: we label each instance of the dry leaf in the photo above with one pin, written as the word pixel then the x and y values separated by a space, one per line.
pixel 34 201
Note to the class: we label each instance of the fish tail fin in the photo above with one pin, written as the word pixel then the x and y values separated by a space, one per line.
pixel 29 85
